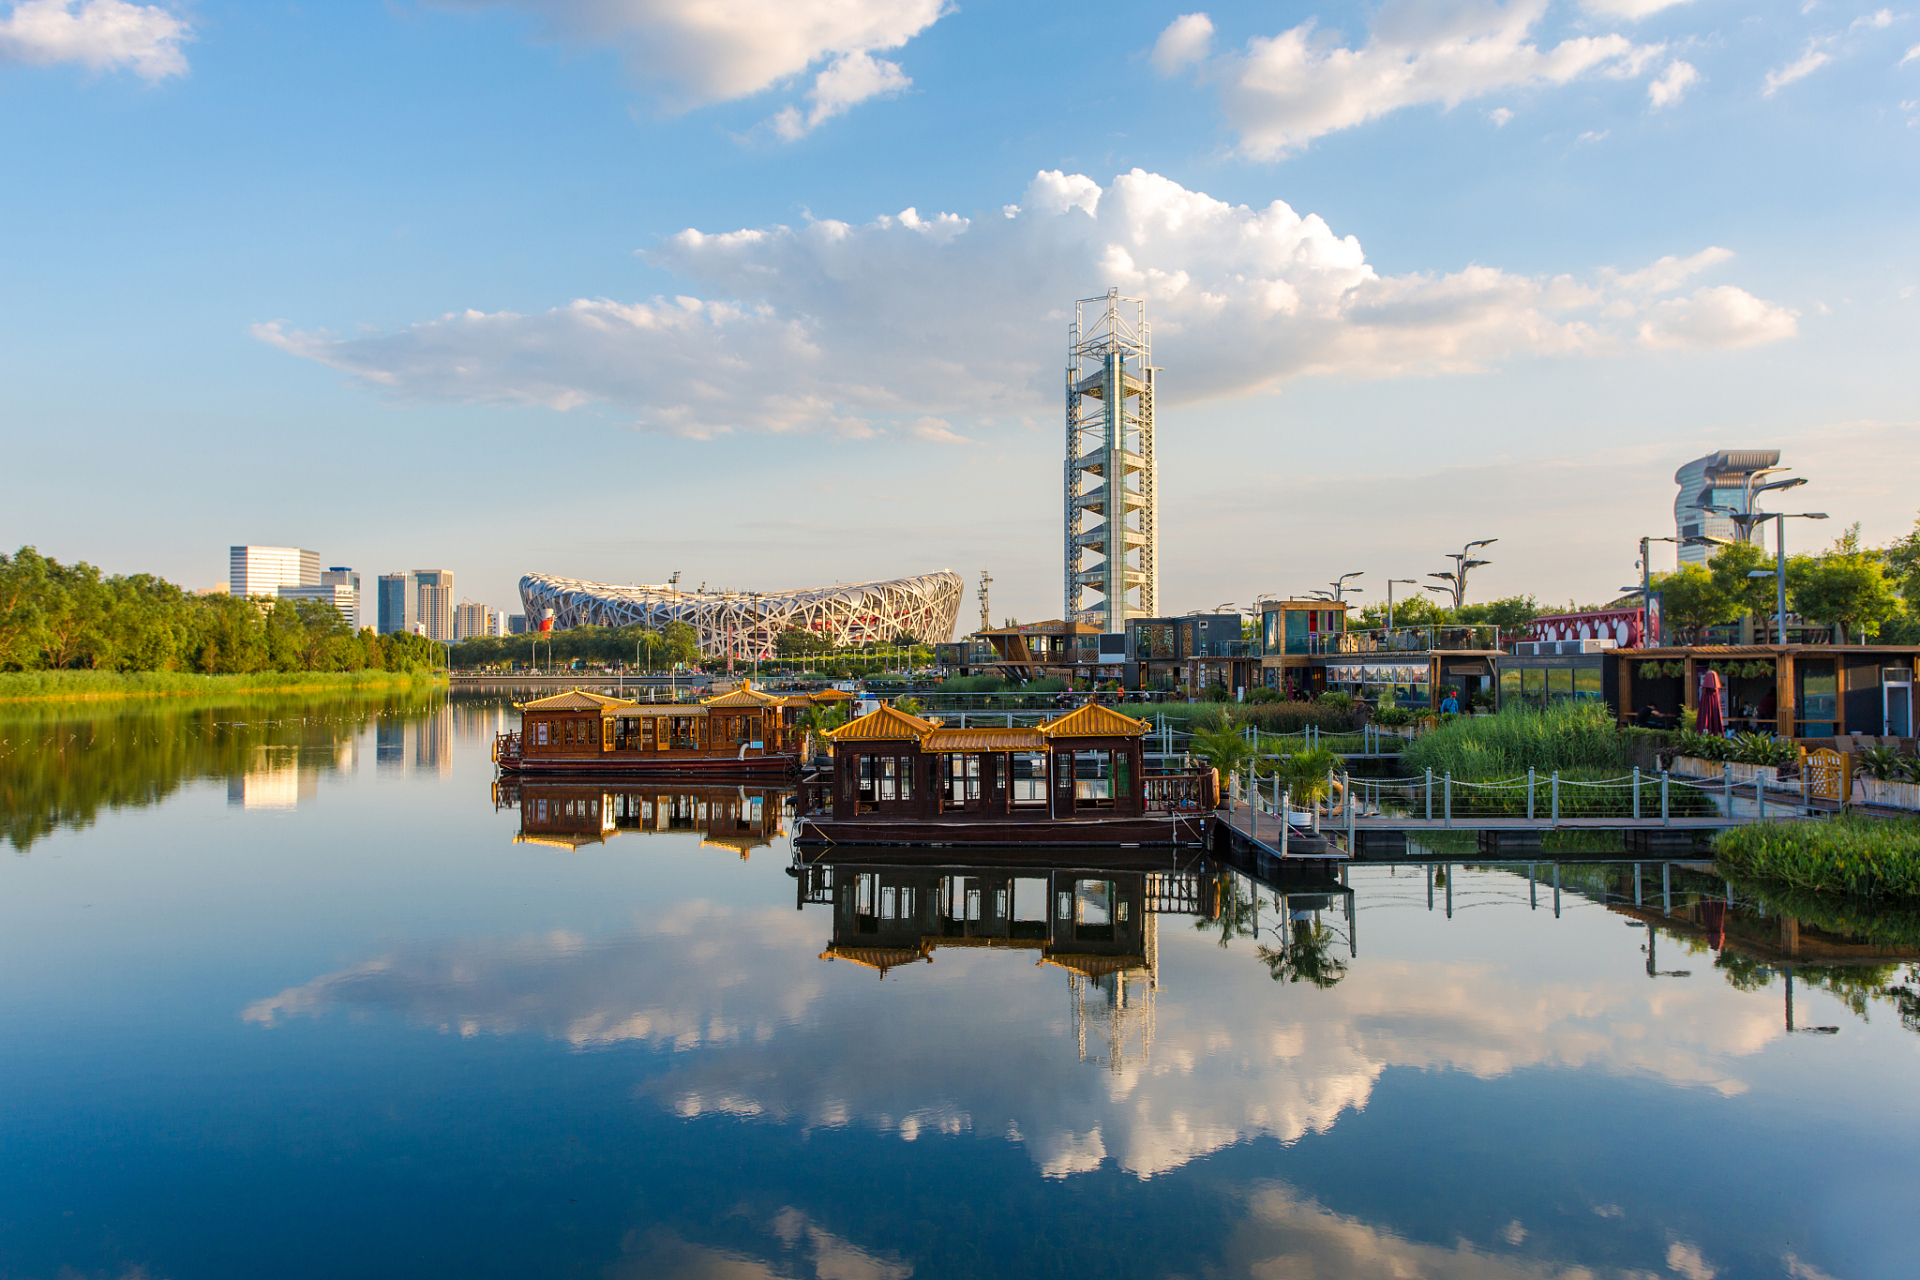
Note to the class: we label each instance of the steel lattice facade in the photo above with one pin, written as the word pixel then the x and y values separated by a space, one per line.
pixel 747 624
pixel 1111 473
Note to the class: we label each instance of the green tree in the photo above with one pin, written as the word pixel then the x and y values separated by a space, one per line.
pixel 1729 568
pixel 797 642
pixel 681 642
pixel 23 581
pixel 1847 586
pixel 1509 612
pixel 1692 601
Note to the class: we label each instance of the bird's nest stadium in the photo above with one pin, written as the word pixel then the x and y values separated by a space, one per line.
pixel 747 624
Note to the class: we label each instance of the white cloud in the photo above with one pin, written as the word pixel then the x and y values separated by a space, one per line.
pixel 1876 21
pixel 1720 316
pixel 1185 42
pixel 695 52
pixel 847 81
pixel 1671 85
pixel 1289 89
pixel 937 430
pixel 1500 116
pixel 1911 55
pixel 908 317
pixel 1594 135
pixel 1799 69
pixel 1685 1260
pixel 101 35
pixel 1631 10
pixel 1666 274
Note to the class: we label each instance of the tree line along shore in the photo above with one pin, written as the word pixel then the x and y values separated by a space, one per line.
pixel 70 631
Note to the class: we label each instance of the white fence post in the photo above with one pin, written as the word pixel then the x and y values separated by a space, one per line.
pixel 1556 797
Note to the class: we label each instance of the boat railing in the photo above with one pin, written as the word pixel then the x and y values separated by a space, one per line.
pixel 1195 792
pixel 506 746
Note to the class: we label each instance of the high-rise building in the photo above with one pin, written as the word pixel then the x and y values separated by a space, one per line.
pixel 1720 479
pixel 470 620
pixel 344 599
pixel 516 624
pixel 262 571
pixel 1110 473
pixel 436 603
pixel 341 576
pixel 398 603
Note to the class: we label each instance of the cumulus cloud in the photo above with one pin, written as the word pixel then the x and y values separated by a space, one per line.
pixel 1910 55
pixel 847 81
pixel 1799 69
pixel 1671 85
pixel 693 52
pixel 1722 316
pixel 1631 10
pixel 909 317
pixel 1185 42
pixel 1500 116
pixel 101 35
pixel 1286 90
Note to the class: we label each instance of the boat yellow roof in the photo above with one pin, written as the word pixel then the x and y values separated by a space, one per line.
pixel 1095 721
pixel 888 724
pixel 745 696
pixel 575 700
pixel 984 740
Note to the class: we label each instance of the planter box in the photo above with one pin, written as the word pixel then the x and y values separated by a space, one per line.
pixel 1764 774
pixel 1896 795
pixel 1695 767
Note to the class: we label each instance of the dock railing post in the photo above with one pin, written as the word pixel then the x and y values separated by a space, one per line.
pixel 1636 793
pixel 1429 793
pixel 1286 817
pixel 1529 793
pixel 1666 811
pixel 1556 797
pixel 1447 799
pixel 1346 794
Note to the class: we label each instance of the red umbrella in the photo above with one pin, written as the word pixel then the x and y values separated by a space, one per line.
pixel 1712 719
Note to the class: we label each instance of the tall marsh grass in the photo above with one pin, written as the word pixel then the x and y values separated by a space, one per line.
pixel 1569 737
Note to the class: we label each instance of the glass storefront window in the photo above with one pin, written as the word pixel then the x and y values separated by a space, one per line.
pixel 1818 698
pixel 1587 684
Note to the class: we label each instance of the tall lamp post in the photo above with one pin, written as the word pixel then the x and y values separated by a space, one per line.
pixel 1779 572
pixel 1456 581
pixel 1646 578
pixel 1339 585
pixel 1411 582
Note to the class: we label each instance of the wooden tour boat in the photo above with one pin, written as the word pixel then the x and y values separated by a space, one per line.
pixel 1077 780
pixel 742 733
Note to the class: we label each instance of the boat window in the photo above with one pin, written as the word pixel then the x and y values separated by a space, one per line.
pixel 888 780
pixel 1029 777
pixel 869 791
pixel 540 732
pixel 1093 779
pixel 963 778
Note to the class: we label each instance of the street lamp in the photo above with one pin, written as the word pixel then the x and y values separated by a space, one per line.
pixel 1339 584
pixel 1646 577
pixel 1779 572
pixel 1463 560
pixel 1411 582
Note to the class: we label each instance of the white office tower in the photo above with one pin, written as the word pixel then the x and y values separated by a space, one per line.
pixel 1110 467
pixel 470 620
pixel 436 603
pixel 262 571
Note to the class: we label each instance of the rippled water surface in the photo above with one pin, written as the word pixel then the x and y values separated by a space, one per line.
pixel 289 989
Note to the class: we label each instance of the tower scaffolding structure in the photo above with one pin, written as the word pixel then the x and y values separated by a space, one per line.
pixel 1110 469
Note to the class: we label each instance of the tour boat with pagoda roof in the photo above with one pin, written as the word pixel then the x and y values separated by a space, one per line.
pixel 1076 780
pixel 745 732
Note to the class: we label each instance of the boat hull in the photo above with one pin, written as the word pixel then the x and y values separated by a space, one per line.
pixel 775 766
pixel 1186 830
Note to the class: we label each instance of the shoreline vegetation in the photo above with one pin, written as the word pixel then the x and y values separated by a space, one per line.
pixel 1847 855
pixel 99 686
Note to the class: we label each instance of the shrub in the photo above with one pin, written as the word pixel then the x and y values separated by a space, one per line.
pixel 1843 854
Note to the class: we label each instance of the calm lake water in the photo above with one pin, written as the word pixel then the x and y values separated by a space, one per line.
pixel 287 989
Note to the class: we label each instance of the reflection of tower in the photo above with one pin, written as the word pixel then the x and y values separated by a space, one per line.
pixel 1110 471
pixel 1113 1010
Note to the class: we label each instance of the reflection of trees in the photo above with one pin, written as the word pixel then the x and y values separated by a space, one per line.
pixel 1307 956
pixel 60 765
pixel 1305 948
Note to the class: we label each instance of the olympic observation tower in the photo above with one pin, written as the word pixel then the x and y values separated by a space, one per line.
pixel 1110 471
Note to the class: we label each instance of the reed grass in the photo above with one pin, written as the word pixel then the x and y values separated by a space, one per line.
pixel 47 686
pixel 1569 737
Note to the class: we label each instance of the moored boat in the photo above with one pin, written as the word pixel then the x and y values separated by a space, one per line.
pixel 745 732
pixel 1076 780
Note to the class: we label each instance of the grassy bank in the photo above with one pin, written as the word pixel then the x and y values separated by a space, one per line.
pixel 1868 857
pixel 74 686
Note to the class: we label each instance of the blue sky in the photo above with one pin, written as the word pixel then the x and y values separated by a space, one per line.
pixel 609 288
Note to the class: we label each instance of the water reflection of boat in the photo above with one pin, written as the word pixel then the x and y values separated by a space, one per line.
pixel 570 814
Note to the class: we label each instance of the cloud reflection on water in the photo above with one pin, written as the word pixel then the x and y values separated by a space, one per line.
pixel 983 1042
